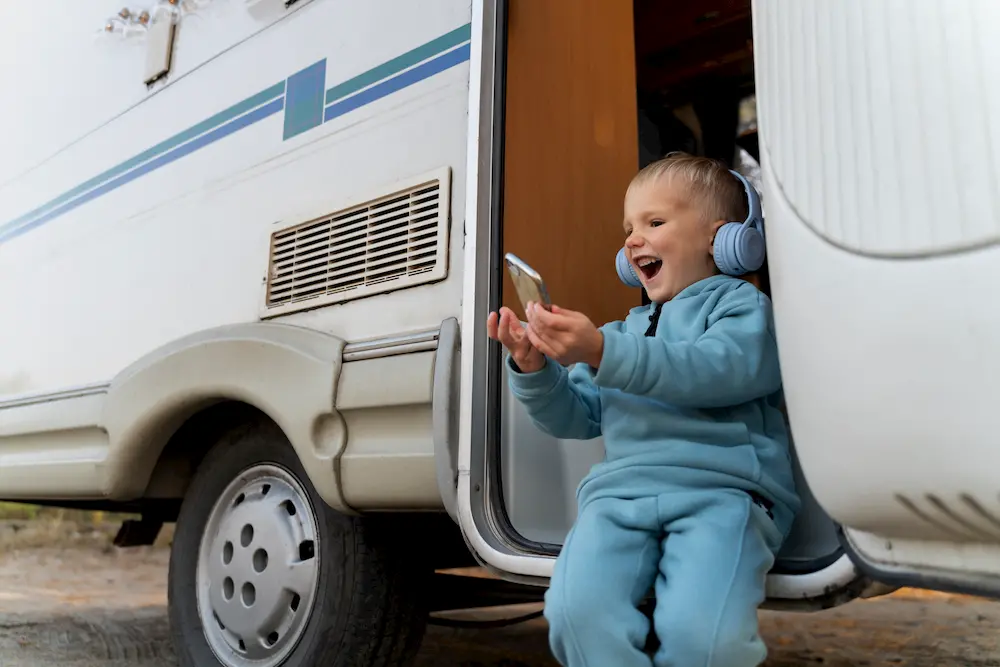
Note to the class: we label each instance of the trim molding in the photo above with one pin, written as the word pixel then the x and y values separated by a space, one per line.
pixel 419 341
pixel 35 398
pixel 388 346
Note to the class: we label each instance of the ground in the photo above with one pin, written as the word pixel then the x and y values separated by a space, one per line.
pixel 82 604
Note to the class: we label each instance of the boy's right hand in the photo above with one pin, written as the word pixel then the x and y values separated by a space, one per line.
pixel 507 329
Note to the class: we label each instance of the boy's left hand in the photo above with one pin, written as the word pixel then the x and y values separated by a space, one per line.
pixel 567 336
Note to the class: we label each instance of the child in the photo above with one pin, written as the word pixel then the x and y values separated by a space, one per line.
pixel 695 494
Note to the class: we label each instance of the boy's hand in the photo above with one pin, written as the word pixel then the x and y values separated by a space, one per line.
pixel 507 329
pixel 567 336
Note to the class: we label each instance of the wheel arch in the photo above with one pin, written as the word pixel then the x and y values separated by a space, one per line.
pixel 185 448
pixel 289 374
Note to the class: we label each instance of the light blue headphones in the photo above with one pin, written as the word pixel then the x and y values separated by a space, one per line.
pixel 738 246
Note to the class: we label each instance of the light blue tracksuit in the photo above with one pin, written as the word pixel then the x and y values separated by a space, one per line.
pixel 695 494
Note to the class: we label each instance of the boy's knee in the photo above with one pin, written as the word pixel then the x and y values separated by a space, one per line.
pixel 586 625
pixel 571 609
pixel 701 645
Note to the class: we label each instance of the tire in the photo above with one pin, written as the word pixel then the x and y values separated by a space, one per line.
pixel 357 599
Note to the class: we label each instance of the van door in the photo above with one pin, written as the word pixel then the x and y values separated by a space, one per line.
pixel 879 147
pixel 551 152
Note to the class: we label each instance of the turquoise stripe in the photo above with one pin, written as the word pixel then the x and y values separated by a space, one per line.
pixel 304 100
pixel 398 64
pixel 388 73
pixel 165 158
pixel 165 145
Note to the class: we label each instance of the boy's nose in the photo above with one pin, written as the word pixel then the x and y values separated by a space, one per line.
pixel 634 241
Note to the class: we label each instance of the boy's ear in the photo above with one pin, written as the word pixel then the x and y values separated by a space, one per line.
pixel 715 227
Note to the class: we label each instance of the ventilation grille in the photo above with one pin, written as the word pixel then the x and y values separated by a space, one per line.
pixel 964 519
pixel 396 241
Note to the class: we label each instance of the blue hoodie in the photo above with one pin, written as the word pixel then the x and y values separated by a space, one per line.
pixel 694 405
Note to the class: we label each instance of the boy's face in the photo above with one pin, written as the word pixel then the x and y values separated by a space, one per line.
pixel 668 240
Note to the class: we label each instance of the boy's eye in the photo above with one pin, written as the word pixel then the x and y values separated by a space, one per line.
pixel 656 223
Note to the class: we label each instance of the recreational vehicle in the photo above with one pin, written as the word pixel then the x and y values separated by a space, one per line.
pixel 248 249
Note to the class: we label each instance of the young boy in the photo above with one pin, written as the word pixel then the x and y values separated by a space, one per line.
pixel 695 494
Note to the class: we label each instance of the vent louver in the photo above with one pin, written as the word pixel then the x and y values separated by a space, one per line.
pixel 398 240
pixel 963 519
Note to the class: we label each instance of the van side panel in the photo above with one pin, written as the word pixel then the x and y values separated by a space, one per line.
pixel 132 217
pixel 157 223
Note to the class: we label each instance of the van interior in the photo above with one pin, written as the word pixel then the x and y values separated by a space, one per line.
pixel 594 90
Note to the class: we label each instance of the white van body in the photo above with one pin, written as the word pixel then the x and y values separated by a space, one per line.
pixel 142 216
pixel 881 158
pixel 298 215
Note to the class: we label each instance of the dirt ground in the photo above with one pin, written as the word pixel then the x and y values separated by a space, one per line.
pixel 84 605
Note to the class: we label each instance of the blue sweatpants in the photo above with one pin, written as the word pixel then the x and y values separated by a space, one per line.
pixel 706 553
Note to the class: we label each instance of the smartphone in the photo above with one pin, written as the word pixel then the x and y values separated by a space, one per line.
pixel 527 282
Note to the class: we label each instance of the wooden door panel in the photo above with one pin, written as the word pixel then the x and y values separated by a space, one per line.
pixel 571 147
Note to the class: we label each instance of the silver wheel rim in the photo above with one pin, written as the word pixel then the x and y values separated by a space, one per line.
pixel 258 566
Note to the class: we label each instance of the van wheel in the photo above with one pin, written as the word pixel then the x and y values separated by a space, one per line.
pixel 264 573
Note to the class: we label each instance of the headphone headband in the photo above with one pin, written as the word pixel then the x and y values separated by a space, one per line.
pixel 755 213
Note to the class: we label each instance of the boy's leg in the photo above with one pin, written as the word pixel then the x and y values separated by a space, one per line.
pixel 606 567
pixel 716 556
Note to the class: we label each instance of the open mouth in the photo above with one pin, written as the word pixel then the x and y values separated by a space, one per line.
pixel 649 267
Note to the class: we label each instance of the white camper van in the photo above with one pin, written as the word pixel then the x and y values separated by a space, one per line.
pixel 248 247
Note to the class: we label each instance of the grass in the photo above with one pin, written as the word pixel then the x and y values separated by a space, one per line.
pixel 25 526
pixel 27 512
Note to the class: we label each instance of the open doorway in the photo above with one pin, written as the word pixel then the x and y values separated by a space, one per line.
pixel 593 91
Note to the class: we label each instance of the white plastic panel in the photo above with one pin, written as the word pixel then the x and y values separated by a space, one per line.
pixel 891 367
pixel 891 372
pixel 540 473
pixel 881 120
pixel 935 558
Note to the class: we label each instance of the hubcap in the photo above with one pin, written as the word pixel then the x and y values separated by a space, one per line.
pixel 258 566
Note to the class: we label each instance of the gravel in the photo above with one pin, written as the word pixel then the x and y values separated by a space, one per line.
pixel 86 606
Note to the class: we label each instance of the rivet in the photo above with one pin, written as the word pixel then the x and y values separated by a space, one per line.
pixel 144 18
pixel 125 13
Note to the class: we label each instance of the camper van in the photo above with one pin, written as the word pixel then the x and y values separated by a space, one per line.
pixel 248 249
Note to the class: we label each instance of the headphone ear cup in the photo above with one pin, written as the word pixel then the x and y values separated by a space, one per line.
pixel 749 248
pixel 724 249
pixel 625 271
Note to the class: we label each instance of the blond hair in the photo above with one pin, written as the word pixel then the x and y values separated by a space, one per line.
pixel 720 194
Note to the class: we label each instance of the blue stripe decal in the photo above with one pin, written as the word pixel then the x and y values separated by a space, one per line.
pixel 304 99
pixel 246 120
pixel 398 82
pixel 301 96
pixel 237 109
pixel 392 67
